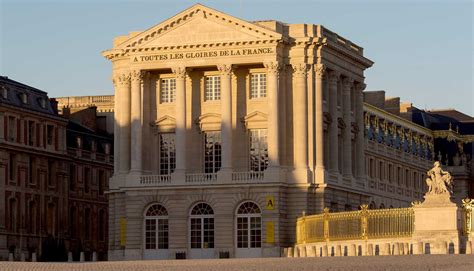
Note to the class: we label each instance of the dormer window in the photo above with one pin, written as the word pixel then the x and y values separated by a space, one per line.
pixel 42 103
pixel 24 98
pixel 4 92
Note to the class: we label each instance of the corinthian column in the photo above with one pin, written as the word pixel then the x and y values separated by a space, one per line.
pixel 300 122
pixel 226 112
pixel 122 125
pixel 347 132
pixel 273 69
pixel 333 139
pixel 180 142
pixel 136 119
pixel 359 108
pixel 320 71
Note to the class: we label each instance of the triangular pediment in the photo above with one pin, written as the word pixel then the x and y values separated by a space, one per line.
pixel 255 119
pixel 199 25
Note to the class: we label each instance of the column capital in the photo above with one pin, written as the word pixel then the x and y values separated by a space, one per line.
pixel 320 70
pixel 334 76
pixel 300 69
pixel 273 67
pixel 179 72
pixel 225 69
pixel 121 79
pixel 361 86
pixel 136 75
pixel 347 83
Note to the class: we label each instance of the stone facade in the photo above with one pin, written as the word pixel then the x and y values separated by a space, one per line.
pixel 40 163
pixel 275 93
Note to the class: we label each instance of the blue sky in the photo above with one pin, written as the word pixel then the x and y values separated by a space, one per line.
pixel 423 50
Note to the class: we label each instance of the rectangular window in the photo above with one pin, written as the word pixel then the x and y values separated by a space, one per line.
pixel 258 150
pixel 12 167
pixel 167 90
pixel 407 178
pixel 212 152
pixel 242 232
pixel 72 177
pixel 255 232
pixel 150 234
pixel 258 85
pixel 11 129
pixel 87 222
pixel 31 177
pixel 87 178
pixel 390 173
pixel 195 232
pixel 212 88
pixel 162 233
pixel 167 154
pixel 31 133
pixel 101 181
pixel 50 173
pixel 50 134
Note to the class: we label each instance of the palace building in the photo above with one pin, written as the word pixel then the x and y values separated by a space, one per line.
pixel 227 130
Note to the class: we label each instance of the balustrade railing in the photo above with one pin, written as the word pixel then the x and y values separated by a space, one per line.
pixel 201 177
pixel 155 179
pixel 247 176
pixel 362 224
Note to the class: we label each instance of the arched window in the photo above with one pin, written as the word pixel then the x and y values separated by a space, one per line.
pixel 372 205
pixel 156 227
pixel 249 226
pixel 202 226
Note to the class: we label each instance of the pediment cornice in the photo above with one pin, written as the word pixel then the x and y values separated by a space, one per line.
pixel 143 41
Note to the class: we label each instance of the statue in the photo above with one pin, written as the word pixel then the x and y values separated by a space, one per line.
pixel 438 181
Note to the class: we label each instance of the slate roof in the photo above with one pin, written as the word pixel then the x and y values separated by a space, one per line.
pixel 34 96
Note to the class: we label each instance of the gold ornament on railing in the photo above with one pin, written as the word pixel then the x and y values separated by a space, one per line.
pixel 326 223
pixel 467 206
pixel 363 221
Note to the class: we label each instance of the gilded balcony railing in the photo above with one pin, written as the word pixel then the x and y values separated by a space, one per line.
pixel 362 224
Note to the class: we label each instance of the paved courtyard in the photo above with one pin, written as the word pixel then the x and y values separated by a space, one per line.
pixel 405 263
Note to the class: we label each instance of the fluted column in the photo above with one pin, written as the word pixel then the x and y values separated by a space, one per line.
pixel 226 116
pixel 359 108
pixel 122 123
pixel 300 122
pixel 180 141
pixel 273 69
pixel 347 132
pixel 320 71
pixel 333 139
pixel 136 121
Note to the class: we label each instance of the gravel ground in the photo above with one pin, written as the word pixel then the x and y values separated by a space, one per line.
pixel 405 263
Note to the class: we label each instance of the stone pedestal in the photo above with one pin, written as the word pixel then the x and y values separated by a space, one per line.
pixel 437 224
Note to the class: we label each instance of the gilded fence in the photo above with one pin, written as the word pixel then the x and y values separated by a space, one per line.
pixel 353 225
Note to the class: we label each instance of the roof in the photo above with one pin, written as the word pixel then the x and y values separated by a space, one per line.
pixel 36 100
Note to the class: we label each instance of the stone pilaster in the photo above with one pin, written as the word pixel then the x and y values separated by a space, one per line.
pixel 359 116
pixel 136 121
pixel 122 123
pixel 146 119
pixel 347 133
pixel 320 73
pixel 226 116
pixel 300 121
pixel 180 142
pixel 273 71
pixel 333 129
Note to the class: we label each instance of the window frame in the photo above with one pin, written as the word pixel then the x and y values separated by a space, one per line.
pixel 215 156
pixel 158 244
pixel 259 93
pixel 245 219
pixel 170 92
pixel 262 149
pixel 199 228
pixel 167 165
pixel 214 94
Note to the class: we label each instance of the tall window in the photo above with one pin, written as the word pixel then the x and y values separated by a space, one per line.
pixel 258 85
pixel 167 90
pixel 258 150
pixel 11 129
pixel 51 170
pixel 156 227
pixel 50 134
pixel 11 167
pixel 33 213
pixel 167 154
pixel 101 181
pixel 87 224
pixel 87 179
pixel 212 152
pixel 249 226
pixel 31 175
pixel 73 221
pixel 31 133
pixel 102 225
pixel 13 215
pixel 212 88
pixel 72 177
pixel 202 226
